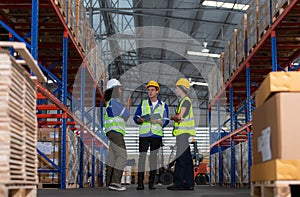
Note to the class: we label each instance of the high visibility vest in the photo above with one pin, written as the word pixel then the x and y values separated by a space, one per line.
pixel 147 126
pixel 116 123
pixel 188 123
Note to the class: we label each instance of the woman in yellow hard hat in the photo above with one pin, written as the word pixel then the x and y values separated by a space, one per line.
pixel 184 127
pixel 152 115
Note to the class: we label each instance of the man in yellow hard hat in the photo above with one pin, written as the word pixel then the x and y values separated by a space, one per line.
pixel 152 115
pixel 184 127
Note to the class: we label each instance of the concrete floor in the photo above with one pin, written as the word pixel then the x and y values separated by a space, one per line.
pixel 161 191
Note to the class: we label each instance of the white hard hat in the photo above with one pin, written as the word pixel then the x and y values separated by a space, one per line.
pixel 112 83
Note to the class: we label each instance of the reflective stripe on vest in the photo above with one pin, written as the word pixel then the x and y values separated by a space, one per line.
pixel 146 127
pixel 188 123
pixel 116 123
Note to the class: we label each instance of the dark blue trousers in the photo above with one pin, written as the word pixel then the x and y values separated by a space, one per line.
pixel 184 170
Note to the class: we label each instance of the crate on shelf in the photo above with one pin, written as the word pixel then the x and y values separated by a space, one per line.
pixel 252 22
pixel 241 40
pixel 49 143
pixel 278 7
pixel 226 71
pixel 233 53
pixel 62 5
pixel 82 26
pixel 264 20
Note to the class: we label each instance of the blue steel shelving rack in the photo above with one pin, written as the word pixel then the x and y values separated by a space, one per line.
pixel 279 60
pixel 93 138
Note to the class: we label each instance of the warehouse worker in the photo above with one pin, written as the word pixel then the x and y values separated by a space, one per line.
pixel 184 127
pixel 115 116
pixel 152 115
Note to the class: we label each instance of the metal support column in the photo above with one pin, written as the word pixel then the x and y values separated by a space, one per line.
pixel 248 119
pixel 93 163
pixel 82 95
pixel 94 131
pixel 232 148
pixel 101 109
pixel 64 117
pixel 219 148
pixel 274 51
pixel 101 165
pixel 210 137
pixel 34 28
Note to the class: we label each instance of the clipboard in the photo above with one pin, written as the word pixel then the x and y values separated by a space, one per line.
pixel 156 116
pixel 148 117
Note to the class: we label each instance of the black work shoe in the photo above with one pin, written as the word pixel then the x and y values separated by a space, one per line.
pixel 151 187
pixel 188 188
pixel 140 187
pixel 173 187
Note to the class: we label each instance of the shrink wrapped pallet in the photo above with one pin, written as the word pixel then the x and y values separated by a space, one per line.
pixel 213 169
pixel 238 163
pixel 226 166
pixel 245 172
pixel 72 16
pixel 215 79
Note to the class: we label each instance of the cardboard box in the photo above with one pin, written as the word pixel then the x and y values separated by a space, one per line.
pixel 276 170
pixel 276 129
pixel 277 82
pixel 49 134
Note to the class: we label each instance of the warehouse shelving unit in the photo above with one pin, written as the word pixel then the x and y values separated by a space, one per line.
pixel 276 49
pixel 43 26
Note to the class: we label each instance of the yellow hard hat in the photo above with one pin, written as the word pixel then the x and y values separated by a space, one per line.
pixel 153 84
pixel 183 82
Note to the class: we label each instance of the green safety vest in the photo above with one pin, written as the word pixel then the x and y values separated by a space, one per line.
pixel 188 123
pixel 147 126
pixel 116 123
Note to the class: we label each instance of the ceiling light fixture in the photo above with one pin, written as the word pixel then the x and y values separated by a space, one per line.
pixel 198 83
pixel 204 54
pixel 235 6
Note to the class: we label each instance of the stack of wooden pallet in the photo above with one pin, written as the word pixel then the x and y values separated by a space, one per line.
pixel 18 129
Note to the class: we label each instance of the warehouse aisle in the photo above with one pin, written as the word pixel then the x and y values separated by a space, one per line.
pixel 200 191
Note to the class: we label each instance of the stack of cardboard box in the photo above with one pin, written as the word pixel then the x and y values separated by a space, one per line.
pixel 276 129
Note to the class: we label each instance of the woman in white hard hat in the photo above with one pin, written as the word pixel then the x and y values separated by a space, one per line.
pixel 184 127
pixel 115 117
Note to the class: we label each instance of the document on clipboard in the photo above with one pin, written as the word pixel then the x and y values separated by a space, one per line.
pixel 148 117
pixel 156 116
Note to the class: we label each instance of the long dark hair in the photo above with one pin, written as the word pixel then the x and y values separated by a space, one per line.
pixel 111 93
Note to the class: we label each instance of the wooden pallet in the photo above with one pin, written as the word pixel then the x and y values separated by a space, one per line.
pixel 275 188
pixel 279 11
pixel 11 190
pixel 18 127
